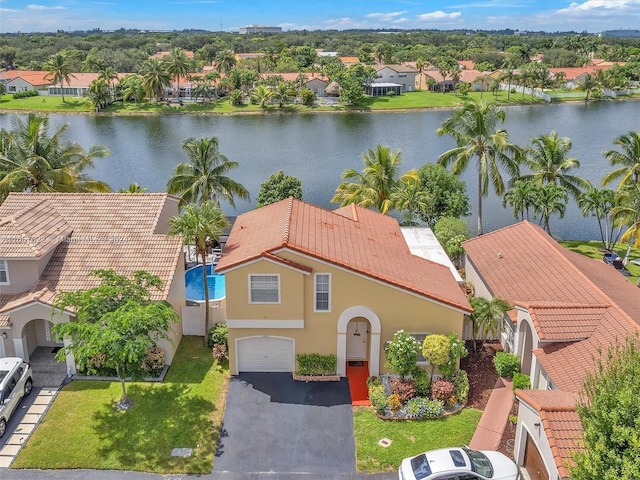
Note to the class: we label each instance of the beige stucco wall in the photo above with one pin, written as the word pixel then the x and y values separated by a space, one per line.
pixel 177 300
pixel 396 309
pixel 23 274
pixel 170 209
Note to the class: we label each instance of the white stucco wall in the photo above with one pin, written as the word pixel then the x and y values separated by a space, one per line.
pixel 527 419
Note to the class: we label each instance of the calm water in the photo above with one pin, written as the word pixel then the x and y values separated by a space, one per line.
pixel 317 148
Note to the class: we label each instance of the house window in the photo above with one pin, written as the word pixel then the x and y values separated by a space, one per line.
pixel 264 289
pixel 4 274
pixel 323 291
pixel 420 338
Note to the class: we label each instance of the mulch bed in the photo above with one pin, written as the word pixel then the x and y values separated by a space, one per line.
pixel 482 378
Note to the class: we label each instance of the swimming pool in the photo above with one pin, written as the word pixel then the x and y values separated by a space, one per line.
pixel 195 288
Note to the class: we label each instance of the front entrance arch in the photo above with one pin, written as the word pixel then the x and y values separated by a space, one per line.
pixel 525 346
pixel 374 338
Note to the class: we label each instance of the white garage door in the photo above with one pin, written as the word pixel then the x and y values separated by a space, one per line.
pixel 265 354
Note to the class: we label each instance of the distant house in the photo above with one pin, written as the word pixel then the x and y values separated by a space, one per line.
pixel 49 242
pixel 302 279
pixel 78 84
pixel 248 56
pixel 403 76
pixel 348 61
pixel 259 29
pixel 24 80
pixel 161 55
pixel 312 81
pixel 568 309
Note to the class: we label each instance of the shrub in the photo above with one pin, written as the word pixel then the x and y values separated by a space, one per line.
pixel 235 98
pixel 308 97
pixel 521 381
pixel 391 93
pixel 378 397
pixel 316 364
pixel 513 419
pixel 405 389
pixel 218 334
pixel 461 386
pixel 219 352
pixel 402 353
pixel 394 402
pixel 422 381
pixel 373 381
pixel 507 364
pixel 457 350
pixel 153 362
pixel 442 390
pixel 25 94
pixel 421 407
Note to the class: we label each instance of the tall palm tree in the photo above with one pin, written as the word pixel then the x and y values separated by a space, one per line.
pixel 628 159
pixel 626 213
pixel 177 65
pixel 225 60
pixel 487 316
pixel 549 163
pixel 60 68
pixel 283 93
pixel 31 160
pixel 521 197
pixel 375 186
pixel 475 128
pixel 203 177
pixel 410 199
pixel 99 94
pixel 154 78
pixel 599 203
pixel 199 225
pixel 109 74
pixel 551 199
pixel 509 75
pixel 588 84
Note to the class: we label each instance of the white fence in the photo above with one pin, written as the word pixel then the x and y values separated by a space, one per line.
pixel 193 319
pixel 528 91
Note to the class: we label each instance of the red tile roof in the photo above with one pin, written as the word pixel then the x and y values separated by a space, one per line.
pixel 560 422
pixel 109 231
pixel 352 237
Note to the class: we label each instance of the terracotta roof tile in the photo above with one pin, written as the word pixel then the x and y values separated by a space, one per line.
pixel 5 321
pixel 352 237
pixel 565 322
pixel 560 421
pixel 109 231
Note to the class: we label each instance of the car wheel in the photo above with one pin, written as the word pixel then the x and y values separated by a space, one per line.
pixel 28 386
pixel 3 427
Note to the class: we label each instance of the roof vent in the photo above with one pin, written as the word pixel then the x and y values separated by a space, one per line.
pixel 499 255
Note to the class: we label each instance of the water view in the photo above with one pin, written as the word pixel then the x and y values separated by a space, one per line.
pixel 317 148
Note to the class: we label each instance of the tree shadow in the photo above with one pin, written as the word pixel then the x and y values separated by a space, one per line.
pixel 162 418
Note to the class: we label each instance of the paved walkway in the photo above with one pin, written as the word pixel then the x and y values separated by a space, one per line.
pixel 28 423
pixel 494 418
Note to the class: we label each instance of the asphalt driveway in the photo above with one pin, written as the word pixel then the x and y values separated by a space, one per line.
pixel 274 424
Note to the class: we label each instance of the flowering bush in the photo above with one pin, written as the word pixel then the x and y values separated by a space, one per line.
pixel 442 390
pixel 421 407
pixel 377 396
pixel 394 402
pixel 402 353
pixel 405 389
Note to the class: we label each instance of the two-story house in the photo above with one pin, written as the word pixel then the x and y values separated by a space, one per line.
pixel 49 242
pixel 396 78
pixel 302 279
pixel 568 309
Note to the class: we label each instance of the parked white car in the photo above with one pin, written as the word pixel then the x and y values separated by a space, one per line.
pixel 16 381
pixel 458 464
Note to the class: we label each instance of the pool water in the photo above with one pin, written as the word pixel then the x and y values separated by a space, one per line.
pixel 195 287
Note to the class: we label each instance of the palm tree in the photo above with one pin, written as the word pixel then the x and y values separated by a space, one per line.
pixel 487 316
pixel 283 93
pixel 177 65
pixel 262 95
pixel 410 199
pixel 33 161
pixel 225 60
pixel 199 225
pixel 59 68
pixel 521 197
pixel 551 199
pixel 549 163
pixel 203 178
pixel 154 78
pixel 474 126
pixel 375 186
pixel 133 188
pixel 628 159
pixel 99 94
pixel 599 203
pixel 509 75
pixel 588 84
pixel 132 87
pixel 626 213
pixel 109 74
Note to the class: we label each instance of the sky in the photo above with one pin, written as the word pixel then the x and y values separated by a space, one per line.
pixel 534 15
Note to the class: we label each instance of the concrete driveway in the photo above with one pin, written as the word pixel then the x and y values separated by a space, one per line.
pixel 273 424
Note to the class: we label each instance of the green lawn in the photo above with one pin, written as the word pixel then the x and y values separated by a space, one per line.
pixel 408 438
pixel 84 430
pixel 45 104
pixel 593 249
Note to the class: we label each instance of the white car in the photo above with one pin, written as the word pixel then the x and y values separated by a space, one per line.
pixel 16 381
pixel 458 464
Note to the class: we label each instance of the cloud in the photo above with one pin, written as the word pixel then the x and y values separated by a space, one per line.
pixel 44 7
pixel 439 15
pixel 385 17
pixel 597 5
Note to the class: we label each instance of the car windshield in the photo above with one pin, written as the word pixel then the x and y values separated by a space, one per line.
pixel 480 463
pixel 420 467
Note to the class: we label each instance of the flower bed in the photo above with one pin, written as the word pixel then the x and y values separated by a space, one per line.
pixel 316 378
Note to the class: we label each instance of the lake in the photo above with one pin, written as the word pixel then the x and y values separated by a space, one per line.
pixel 317 147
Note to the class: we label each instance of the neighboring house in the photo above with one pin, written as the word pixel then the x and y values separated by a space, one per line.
pixel 21 81
pixel 478 80
pixel 49 242
pixel 164 53
pixel 568 309
pixel 78 84
pixel 573 76
pixel 247 56
pixel 314 82
pixel 302 279
pixel 348 61
pixel 402 75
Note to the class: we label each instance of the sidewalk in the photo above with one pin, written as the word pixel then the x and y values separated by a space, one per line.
pixel 494 418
